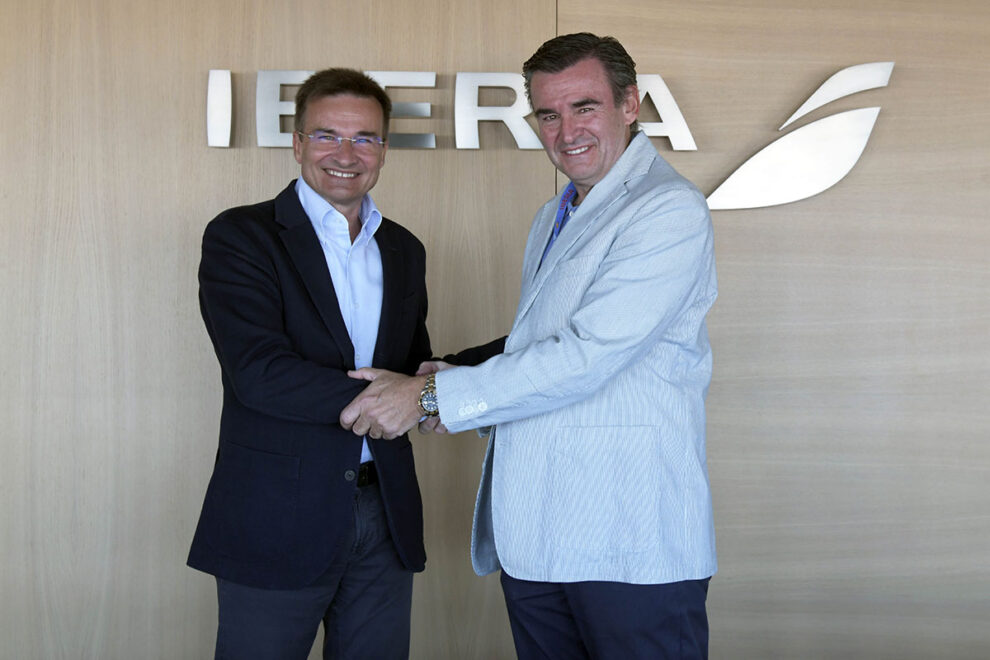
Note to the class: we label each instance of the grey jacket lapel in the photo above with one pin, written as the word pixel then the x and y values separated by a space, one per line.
pixel 603 195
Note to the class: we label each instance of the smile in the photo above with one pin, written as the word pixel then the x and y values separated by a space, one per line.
pixel 576 152
pixel 343 175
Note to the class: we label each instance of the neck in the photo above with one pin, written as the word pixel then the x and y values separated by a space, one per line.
pixel 352 214
pixel 579 194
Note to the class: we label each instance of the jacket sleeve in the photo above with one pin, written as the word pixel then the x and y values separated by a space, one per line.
pixel 242 303
pixel 658 271
pixel 477 354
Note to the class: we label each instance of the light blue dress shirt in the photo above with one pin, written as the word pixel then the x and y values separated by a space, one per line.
pixel 355 269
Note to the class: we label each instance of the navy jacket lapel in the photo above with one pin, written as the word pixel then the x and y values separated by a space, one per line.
pixel 393 268
pixel 304 249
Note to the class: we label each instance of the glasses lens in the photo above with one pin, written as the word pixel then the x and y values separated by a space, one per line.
pixel 366 144
pixel 328 142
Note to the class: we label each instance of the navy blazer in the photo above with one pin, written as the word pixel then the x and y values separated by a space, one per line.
pixel 283 486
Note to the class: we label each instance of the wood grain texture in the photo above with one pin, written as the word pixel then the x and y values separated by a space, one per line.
pixel 848 417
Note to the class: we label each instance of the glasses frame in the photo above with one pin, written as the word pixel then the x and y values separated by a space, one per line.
pixel 332 142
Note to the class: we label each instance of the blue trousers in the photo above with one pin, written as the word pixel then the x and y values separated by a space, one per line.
pixel 363 600
pixel 607 620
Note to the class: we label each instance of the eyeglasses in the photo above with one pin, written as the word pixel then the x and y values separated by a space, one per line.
pixel 330 142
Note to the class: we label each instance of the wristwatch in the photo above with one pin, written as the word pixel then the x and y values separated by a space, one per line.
pixel 428 404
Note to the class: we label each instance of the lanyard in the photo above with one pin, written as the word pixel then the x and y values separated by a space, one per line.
pixel 563 213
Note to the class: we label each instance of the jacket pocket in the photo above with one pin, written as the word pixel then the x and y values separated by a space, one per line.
pixel 605 488
pixel 251 503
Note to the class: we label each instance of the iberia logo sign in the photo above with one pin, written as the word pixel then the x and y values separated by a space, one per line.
pixel 812 158
pixel 802 163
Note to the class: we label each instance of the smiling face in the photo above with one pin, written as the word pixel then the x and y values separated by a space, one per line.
pixel 582 129
pixel 341 175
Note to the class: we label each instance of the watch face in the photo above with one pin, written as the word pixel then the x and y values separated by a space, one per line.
pixel 429 402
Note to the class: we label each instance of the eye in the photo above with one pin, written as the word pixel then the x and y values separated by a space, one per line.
pixel 585 110
pixel 362 142
pixel 325 138
pixel 548 117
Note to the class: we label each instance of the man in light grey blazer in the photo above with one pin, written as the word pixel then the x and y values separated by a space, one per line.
pixel 594 499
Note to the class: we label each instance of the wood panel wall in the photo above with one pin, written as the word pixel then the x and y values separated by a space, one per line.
pixel 848 416
pixel 849 432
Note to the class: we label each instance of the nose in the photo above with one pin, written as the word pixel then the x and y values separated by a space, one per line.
pixel 345 153
pixel 568 128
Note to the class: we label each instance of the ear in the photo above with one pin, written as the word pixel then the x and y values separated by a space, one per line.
pixel 630 104
pixel 297 147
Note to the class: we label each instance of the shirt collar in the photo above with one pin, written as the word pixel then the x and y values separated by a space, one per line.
pixel 328 221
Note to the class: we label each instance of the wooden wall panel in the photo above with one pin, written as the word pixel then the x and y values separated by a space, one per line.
pixel 848 417
pixel 848 423
pixel 110 390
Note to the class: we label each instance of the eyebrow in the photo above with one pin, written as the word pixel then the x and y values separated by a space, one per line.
pixel 583 103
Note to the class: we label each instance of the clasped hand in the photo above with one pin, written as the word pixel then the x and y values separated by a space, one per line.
pixel 389 406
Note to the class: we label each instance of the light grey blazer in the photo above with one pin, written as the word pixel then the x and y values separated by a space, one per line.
pixel 596 467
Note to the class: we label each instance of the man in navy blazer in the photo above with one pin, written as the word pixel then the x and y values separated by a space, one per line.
pixel 303 521
pixel 594 500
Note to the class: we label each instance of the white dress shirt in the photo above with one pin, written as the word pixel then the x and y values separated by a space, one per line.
pixel 355 269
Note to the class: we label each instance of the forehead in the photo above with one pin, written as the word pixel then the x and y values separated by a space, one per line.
pixel 585 80
pixel 344 112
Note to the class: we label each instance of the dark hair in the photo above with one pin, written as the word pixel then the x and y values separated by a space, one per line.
pixel 332 82
pixel 567 50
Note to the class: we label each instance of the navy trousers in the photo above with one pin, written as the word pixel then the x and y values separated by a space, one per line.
pixel 607 620
pixel 364 601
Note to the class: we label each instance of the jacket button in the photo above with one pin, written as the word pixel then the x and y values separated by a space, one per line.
pixel 350 475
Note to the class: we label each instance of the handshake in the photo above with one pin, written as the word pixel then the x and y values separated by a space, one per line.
pixel 389 405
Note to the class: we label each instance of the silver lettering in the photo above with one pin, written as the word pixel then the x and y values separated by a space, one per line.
pixel 467 112
pixel 219 108
pixel 672 124
pixel 415 110
pixel 270 108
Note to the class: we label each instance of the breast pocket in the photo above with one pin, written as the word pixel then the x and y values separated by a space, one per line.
pixel 562 292
pixel 579 267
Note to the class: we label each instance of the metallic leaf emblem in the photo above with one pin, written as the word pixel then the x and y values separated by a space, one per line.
pixel 813 158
